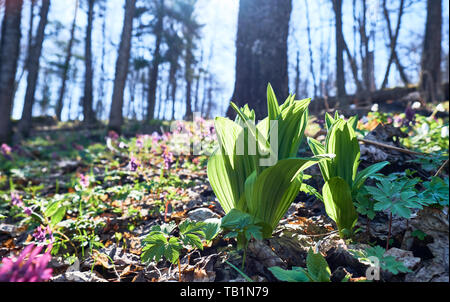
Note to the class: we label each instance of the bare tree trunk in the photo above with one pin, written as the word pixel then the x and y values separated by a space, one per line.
pixel 88 98
pixel 297 74
pixel 340 45
pixel 33 70
pixel 123 59
pixel 65 72
pixel 30 42
pixel 393 43
pixel 154 69
pixel 261 53
pixel 311 60
pixel 9 55
pixel 188 76
pixel 430 78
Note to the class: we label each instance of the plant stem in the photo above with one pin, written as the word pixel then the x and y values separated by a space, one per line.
pixel 389 233
pixel 179 270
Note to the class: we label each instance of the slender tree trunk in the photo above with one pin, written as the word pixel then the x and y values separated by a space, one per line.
pixel 30 42
pixel 431 56
pixel 9 55
pixel 297 74
pixel 65 71
pixel 88 98
pixel 188 75
pixel 340 75
pixel 261 53
pixel 311 59
pixel 393 43
pixel 123 59
pixel 33 70
pixel 154 68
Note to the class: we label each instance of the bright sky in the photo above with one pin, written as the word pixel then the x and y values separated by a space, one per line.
pixel 220 21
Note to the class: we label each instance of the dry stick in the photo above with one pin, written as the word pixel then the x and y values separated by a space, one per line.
pixel 366 141
pixel 441 168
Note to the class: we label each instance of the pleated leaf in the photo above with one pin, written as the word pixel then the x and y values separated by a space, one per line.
pixel 339 206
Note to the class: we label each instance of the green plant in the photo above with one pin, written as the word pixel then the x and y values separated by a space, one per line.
pixel 161 242
pixel 317 270
pixel 342 180
pixel 436 191
pixel 397 195
pixel 254 168
pixel 239 225
pixel 387 263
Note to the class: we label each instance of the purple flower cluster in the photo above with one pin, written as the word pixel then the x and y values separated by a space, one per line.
pixel 43 234
pixel 16 200
pixel 410 115
pixel 167 156
pixel 134 164
pixel 27 267
pixel 113 135
pixel 84 180
pixel 6 151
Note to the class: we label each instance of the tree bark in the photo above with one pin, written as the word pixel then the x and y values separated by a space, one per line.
pixel 88 98
pixel 154 68
pixel 340 46
pixel 430 78
pixel 9 55
pixel 261 53
pixel 123 59
pixel 188 76
pixel 33 70
pixel 65 71
pixel 393 43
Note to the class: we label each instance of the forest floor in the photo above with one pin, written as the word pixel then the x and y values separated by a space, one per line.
pixel 95 196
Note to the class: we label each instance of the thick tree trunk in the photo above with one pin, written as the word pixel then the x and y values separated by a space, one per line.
pixel 154 68
pixel 116 113
pixel 431 56
pixel 88 98
pixel 261 53
pixel 9 54
pixel 340 46
pixel 65 71
pixel 33 70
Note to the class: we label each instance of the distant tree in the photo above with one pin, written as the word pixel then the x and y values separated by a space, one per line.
pixel 340 46
pixel 33 70
pixel 122 63
pixel 261 53
pixel 9 55
pixel 430 76
pixel 65 67
pixel 88 98
pixel 158 28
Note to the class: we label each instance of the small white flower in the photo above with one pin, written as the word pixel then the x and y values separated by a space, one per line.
pixel 352 106
pixel 444 132
pixel 374 107
pixel 424 129
pixel 440 108
pixel 342 116
pixel 416 105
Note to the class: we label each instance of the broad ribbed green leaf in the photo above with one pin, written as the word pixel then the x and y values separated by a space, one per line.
pixel 339 206
pixel 317 267
pixel 270 194
pixel 273 108
pixel 341 140
pixel 318 149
